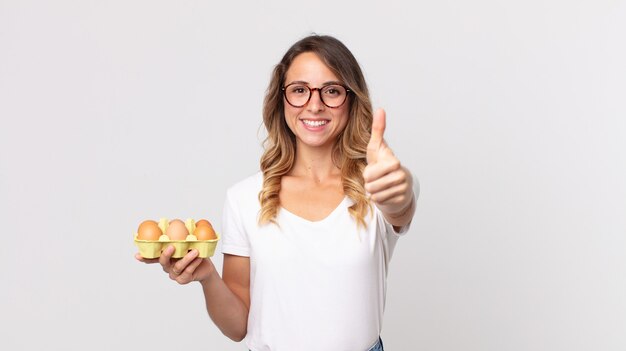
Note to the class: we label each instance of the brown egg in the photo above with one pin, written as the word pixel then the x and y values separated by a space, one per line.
pixel 149 230
pixel 205 232
pixel 203 222
pixel 177 230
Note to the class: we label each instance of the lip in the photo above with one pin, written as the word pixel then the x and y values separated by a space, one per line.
pixel 315 128
pixel 315 119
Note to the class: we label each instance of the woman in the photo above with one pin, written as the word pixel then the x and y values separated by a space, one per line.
pixel 307 241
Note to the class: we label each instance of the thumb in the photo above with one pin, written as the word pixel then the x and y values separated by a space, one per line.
pixel 376 139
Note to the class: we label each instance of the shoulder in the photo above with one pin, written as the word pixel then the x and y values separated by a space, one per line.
pixel 246 189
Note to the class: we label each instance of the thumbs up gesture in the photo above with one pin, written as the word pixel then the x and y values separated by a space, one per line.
pixel 388 182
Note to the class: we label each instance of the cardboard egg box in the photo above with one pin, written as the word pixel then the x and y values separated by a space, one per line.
pixel 153 249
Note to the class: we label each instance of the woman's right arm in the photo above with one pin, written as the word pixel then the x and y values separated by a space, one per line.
pixel 227 299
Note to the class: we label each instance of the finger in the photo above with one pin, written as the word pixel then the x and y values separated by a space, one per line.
pixel 187 275
pixel 380 169
pixel 389 180
pixel 145 260
pixel 384 155
pixel 376 138
pixel 182 264
pixel 165 258
pixel 378 127
pixel 191 268
pixel 393 196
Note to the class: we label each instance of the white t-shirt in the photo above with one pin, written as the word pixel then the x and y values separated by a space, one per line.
pixel 313 285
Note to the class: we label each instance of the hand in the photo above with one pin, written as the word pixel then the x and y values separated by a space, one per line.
pixel 182 270
pixel 390 184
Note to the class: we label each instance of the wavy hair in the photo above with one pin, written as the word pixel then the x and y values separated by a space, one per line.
pixel 349 150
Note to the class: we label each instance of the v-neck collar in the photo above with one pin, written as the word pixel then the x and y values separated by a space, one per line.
pixel 330 216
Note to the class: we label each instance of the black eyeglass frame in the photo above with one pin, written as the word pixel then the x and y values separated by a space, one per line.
pixel 319 90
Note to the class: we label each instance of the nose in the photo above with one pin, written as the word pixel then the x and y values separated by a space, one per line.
pixel 315 102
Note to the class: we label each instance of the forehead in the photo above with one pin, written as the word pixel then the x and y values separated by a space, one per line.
pixel 308 67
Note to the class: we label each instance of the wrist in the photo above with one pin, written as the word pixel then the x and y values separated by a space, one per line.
pixel 208 274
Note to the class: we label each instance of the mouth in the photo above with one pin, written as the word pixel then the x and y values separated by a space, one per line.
pixel 315 123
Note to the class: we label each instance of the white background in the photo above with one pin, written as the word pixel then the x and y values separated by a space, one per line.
pixel 511 114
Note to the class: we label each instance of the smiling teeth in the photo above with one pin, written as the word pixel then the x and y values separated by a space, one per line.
pixel 314 123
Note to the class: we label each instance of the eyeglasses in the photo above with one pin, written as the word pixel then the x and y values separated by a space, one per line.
pixel 332 95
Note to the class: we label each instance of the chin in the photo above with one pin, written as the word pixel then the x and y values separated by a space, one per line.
pixel 314 142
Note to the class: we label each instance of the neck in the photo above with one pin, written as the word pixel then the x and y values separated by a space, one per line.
pixel 314 163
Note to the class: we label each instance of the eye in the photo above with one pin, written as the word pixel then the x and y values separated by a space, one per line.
pixel 298 89
pixel 333 90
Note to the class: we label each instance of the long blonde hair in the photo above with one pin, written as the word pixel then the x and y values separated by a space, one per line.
pixel 350 147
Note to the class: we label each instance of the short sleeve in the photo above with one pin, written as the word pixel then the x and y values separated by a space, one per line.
pixel 388 227
pixel 234 236
pixel 388 233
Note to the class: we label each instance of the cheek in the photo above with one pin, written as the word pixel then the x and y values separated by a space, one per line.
pixel 290 117
pixel 344 115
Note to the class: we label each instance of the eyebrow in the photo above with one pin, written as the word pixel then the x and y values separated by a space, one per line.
pixel 330 82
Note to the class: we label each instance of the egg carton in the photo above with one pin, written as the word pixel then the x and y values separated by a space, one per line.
pixel 153 249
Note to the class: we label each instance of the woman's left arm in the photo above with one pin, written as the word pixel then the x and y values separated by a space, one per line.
pixel 389 183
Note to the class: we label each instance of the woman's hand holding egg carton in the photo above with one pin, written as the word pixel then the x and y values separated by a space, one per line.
pixel 182 270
